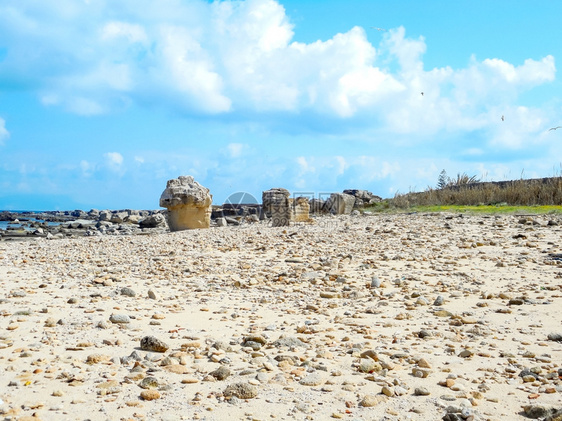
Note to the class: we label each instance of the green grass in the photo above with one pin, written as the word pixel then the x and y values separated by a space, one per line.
pixel 480 209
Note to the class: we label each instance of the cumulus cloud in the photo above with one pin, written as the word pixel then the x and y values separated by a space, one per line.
pixel 4 134
pixel 239 57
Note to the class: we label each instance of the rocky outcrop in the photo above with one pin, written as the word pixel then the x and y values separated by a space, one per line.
pixel 363 197
pixel 188 204
pixel 277 207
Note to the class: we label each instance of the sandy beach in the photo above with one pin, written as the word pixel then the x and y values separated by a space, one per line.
pixel 379 317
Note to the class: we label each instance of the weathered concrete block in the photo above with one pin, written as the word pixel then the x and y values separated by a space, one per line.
pixel 276 206
pixel 340 204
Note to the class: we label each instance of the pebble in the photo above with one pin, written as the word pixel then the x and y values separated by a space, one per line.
pixel 119 319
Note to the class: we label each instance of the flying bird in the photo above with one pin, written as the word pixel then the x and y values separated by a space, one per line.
pixel 421 93
pixel 503 118
pixel 555 128
pixel 378 29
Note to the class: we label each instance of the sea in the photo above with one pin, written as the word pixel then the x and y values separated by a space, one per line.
pixel 26 215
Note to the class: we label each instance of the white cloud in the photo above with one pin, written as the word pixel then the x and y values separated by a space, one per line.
pixel 4 133
pixel 114 158
pixel 235 149
pixel 240 57
pixel 130 32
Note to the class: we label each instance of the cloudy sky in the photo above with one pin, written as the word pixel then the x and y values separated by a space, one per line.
pixel 103 101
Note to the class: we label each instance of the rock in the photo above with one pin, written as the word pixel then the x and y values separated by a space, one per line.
pixel 96 358
pixel 555 337
pixel 152 295
pixel 151 343
pixel 150 395
pixel 539 411
pixel 241 391
pixel 421 391
pixel 439 301
pixel 128 292
pixel 368 365
pixel 149 383
pixel 300 209
pixel 119 319
pixel 153 221
pixel 221 222
pixel 289 342
pixel 221 373
pixel 340 204
pixel 188 204
pixel 276 206
pixel 369 401
pixel 313 379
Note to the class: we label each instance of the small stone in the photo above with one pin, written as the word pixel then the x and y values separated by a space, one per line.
pixel 466 353
pixel 241 391
pixel 421 391
pixel 150 395
pixel 372 400
pixel 149 383
pixel 313 379
pixel 423 363
pixel 152 295
pixel 221 373
pixel 119 319
pixel 539 411
pixel 151 343
pixel 128 292
pixel 388 391
pixel 439 301
pixel 96 358
pixel 555 337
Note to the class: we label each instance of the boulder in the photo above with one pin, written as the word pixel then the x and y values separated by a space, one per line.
pixel 188 204
pixel 317 206
pixel 363 197
pixel 340 204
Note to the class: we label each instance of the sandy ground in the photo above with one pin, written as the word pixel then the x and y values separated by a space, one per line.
pixel 336 319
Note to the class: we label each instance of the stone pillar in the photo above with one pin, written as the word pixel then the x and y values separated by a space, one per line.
pixel 276 206
pixel 301 210
pixel 188 204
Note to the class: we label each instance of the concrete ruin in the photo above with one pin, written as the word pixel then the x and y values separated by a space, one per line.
pixel 283 210
pixel 188 204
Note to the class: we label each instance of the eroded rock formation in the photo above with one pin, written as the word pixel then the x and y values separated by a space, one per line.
pixel 188 204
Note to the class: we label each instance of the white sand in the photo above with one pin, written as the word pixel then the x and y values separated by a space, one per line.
pixel 311 282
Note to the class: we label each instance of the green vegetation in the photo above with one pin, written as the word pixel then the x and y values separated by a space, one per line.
pixel 467 194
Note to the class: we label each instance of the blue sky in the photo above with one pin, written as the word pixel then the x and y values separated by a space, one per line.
pixel 101 102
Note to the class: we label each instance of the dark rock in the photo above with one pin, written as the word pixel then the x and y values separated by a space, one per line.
pixel 241 391
pixel 151 343
pixel 221 373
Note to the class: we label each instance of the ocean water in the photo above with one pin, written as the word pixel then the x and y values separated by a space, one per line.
pixel 4 224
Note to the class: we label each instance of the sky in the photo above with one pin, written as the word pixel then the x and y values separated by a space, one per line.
pixel 103 101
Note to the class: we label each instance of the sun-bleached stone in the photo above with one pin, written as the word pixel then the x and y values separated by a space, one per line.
pixel 188 204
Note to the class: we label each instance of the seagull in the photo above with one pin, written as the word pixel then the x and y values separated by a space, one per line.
pixel 421 93
pixel 555 128
pixel 503 118
pixel 378 29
